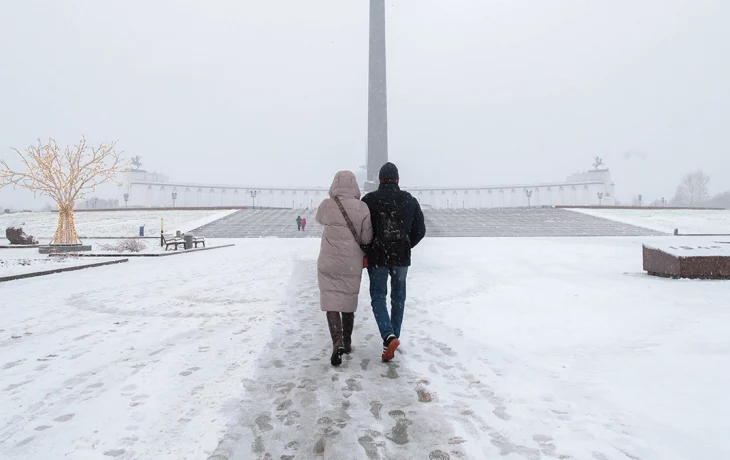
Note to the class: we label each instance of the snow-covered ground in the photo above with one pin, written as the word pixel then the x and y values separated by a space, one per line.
pixel 43 225
pixel 515 349
pixel 666 220
pixel 29 261
pixel 26 260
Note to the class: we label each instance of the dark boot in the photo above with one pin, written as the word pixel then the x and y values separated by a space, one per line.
pixel 348 324
pixel 334 320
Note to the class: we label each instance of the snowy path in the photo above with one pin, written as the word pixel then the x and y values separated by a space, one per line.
pixel 515 349
pixel 300 407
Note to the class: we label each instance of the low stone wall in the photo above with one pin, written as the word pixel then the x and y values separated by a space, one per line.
pixel 60 270
pixel 663 208
pixel 63 248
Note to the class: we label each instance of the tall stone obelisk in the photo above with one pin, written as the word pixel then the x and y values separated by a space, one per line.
pixel 377 96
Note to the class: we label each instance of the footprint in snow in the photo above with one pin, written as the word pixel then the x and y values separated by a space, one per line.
pixel 189 371
pixel 399 433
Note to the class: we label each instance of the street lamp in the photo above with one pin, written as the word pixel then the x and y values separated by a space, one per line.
pixel 174 198
pixel 529 197
pixel 641 197
pixel 664 202
pixel 253 194
pixel 600 198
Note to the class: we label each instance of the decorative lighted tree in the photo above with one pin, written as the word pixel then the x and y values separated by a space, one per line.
pixel 64 175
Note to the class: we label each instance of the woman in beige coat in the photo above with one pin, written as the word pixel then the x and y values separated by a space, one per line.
pixel 340 264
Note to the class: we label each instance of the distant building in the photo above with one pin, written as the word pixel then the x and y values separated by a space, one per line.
pixel 143 189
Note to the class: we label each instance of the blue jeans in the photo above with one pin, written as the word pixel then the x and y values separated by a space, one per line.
pixel 388 324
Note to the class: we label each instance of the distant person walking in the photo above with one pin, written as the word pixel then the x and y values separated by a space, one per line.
pixel 304 223
pixel 299 223
pixel 347 226
pixel 398 226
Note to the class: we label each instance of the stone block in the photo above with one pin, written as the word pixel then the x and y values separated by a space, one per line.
pixel 63 248
pixel 711 261
pixel 16 235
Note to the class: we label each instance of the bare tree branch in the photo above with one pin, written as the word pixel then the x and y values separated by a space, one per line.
pixel 693 189
pixel 64 175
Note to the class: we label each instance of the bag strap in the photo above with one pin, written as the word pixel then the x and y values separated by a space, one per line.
pixel 348 221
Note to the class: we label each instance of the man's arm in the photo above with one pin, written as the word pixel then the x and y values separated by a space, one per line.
pixel 370 202
pixel 418 229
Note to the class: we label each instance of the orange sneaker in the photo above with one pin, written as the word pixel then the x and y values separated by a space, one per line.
pixel 389 348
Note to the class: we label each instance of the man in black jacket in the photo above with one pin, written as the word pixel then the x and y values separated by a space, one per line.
pixel 398 227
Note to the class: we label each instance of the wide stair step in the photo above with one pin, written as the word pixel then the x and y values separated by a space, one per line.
pixel 502 222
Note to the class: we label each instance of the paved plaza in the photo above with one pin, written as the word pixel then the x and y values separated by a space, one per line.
pixel 504 222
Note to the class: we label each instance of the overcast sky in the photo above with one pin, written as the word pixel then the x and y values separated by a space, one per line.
pixel 275 92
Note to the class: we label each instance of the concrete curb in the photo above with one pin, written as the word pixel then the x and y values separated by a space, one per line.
pixel 60 270
pixel 158 254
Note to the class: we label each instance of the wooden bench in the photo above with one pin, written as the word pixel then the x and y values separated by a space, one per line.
pixel 198 240
pixel 170 240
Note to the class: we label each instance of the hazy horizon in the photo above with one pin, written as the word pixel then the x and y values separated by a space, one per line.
pixel 481 92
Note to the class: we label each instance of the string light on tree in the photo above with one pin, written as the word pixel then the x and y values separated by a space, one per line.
pixel 65 175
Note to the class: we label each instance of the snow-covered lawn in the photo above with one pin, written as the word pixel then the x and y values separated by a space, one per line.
pixel 666 220
pixel 43 225
pixel 30 261
pixel 515 349
pixel 27 260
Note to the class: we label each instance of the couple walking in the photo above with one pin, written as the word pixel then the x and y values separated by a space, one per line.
pixel 383 228
pixel 301 223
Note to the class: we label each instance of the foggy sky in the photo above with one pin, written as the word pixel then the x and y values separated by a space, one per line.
pixel 481 92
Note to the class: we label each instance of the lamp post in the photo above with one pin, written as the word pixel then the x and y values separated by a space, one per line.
pixel 600 198
pixel 126 200
pixel 529 197
pixel 664 203
pixel 174 198
pixel 253 194
pixel 641 197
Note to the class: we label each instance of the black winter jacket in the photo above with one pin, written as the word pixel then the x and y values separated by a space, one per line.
pixel 398 226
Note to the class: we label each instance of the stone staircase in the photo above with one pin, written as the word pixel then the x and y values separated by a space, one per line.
pixel 262 223
pixel 502 222
pixel 523 222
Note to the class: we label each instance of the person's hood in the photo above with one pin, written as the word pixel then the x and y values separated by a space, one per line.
pixel 345 186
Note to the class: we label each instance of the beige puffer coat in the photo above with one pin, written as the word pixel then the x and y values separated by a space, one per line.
pixel 339 267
